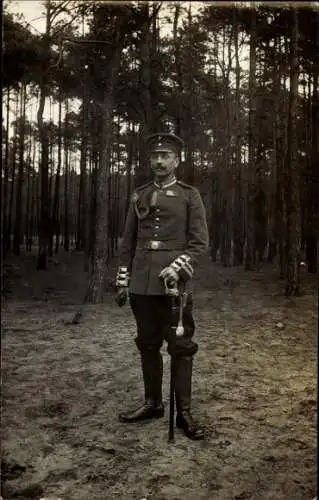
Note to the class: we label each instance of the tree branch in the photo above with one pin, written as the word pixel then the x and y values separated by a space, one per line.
pixel 65 25
pixel 155 12
pixel 59 9
pixel 74 40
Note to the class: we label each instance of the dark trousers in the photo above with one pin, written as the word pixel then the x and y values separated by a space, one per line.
pixel 154 317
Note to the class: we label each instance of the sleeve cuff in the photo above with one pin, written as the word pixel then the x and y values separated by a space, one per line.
pixel 122 277
pixel 182 265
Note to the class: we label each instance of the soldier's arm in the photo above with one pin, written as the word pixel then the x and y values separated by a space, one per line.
pixel 197 237
pixel 128 245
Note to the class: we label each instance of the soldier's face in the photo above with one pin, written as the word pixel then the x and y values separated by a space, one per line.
pixel 163 163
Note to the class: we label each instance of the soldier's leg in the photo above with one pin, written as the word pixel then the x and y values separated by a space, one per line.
pixel 149 340
pixel 184 351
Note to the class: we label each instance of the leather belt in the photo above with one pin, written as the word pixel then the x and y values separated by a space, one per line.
pixel 160 245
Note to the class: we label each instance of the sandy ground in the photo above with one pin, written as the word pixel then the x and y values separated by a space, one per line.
pixel 63 385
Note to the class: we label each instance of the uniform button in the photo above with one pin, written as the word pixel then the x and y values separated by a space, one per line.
pixel 155 234
pixel 156 227
pixel 157 210
pixel 157 219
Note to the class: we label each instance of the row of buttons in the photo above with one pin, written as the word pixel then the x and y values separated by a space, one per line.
pixel 157 220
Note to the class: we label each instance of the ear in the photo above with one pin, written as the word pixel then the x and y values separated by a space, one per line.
pixel 176 161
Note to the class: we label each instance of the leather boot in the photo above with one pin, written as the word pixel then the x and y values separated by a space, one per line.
pixel 152 368
pixel 183 388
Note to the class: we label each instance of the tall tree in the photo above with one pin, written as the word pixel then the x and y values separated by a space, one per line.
pixel 44 223
pixel 146 118
pixel 66 226
pixel 292 169
pixel 250 250
pixel 238 221
pixel 56 196
pixel 312 171
pixel 5 207
pixel 18 210
pixel 118 18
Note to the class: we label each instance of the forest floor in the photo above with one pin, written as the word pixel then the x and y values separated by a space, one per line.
pixel 63 385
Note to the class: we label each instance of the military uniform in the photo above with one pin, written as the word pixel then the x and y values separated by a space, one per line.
pixel 166 224
pixel 173 222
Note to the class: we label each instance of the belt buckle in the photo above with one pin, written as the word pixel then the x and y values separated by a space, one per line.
pixel 154 245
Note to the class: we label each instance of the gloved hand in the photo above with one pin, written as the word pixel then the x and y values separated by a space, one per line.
pixel 169 274
pixel 121 296
pixel 170 278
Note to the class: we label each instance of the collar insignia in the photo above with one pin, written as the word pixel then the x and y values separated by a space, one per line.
pixel 170 193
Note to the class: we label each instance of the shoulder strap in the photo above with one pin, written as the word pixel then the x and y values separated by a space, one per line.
pixel 181 183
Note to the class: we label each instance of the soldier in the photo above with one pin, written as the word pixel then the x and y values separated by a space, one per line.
pixel 165 233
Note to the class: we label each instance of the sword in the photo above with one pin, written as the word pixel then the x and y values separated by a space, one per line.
pixel 171 289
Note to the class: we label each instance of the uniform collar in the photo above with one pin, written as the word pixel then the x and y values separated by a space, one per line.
pixel 164 186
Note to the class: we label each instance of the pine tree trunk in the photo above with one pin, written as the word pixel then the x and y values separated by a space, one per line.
pixel 282 149
pixel 28 208
pixel 187 116
pixel 250 250
pixel 93 197
pixel 66 245
pixel 33 208
pixel 312 223
pixel 5 208
pixel 117 186
pixel 82 204
pixel 260 213
pixel 215 216
pixel 51 178
pixel 100 260
pixel 110 208
pixel 89 220
pixel 146 121
pixel 13 174
pixel 216 222
pixel 293 178
pixel 238 224
pixel 44 223
pixel 28 200
pixel 56 196
pixel 273 219
pixel 306 115
pixel 129 172
pixel 18 210
pixel 227 190
pixel 117 211
pixel 178 69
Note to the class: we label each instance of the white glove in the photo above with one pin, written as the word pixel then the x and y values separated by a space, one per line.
pixel 169 274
